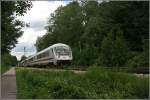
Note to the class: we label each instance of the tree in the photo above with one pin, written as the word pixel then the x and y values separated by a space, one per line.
pixel 89 27
pixel 9 60
pixel 114 50
pixel 140 59
pixel 11 28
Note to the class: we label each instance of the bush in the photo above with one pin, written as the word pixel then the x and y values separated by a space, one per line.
pixel 141 88
pixel 140 59
pixel 110 84
pixel 62 90
pixel 95 83
pixel 8 60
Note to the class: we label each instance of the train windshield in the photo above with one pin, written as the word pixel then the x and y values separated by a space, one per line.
pixel 61 50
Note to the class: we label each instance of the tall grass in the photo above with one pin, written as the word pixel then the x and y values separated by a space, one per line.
pixel 95 83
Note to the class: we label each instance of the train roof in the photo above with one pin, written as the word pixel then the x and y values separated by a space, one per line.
pixel 54 45
pixel 59 44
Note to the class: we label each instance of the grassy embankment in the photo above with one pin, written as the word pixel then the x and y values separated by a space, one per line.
pixel 95 83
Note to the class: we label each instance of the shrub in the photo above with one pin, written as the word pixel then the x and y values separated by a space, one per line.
pixel 140 59
pixel 141 88
pixel 8 60
pixel 61 90
pixel 95 83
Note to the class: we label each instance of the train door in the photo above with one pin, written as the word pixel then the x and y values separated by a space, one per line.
pixel 54 56
pixel 51 53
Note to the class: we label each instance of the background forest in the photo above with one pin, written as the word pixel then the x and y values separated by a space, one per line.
pixel 106 34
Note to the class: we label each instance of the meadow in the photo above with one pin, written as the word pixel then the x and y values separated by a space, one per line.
pixel 96 83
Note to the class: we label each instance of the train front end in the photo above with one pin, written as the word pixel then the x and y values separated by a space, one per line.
pixel 63 54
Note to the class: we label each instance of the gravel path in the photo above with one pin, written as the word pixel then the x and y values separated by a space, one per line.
pixel 8 85
pixel 57 70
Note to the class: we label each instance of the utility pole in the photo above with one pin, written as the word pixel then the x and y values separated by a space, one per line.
pixel 24 49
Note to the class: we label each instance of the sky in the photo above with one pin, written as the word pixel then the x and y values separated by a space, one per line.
pixel 37 18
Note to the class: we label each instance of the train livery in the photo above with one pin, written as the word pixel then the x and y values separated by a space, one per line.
pixel 56 54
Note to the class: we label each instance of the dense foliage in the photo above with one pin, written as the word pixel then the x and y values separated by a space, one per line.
pixel 11 28
pixel 7 62
pixel 114 49
pixel 107 33
pixel 96 83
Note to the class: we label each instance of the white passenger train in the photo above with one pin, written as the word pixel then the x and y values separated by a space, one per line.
pixel 56 54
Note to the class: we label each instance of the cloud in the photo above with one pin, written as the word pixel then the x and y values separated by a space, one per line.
pixel 37 17
pixel 40 12
pixel 38 25
pixel 23 48
pixel 29 36
pixel 28 47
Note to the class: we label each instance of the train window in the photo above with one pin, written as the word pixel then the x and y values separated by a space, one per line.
pixel 47 53
pixel 42 55
pixel 62 50
pixel 39 56
pixel 52 50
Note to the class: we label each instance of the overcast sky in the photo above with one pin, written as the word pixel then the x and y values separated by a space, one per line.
pixel 37 17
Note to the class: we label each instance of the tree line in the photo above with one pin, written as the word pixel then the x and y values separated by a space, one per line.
pixel 112 33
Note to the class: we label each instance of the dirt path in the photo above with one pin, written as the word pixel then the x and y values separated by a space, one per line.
pixel 8 84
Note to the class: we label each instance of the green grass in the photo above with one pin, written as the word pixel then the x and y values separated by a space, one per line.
pixel 96 83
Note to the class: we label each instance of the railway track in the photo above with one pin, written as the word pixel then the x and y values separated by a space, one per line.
pixel 54 69
pixel 144 70
pixel 79 71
